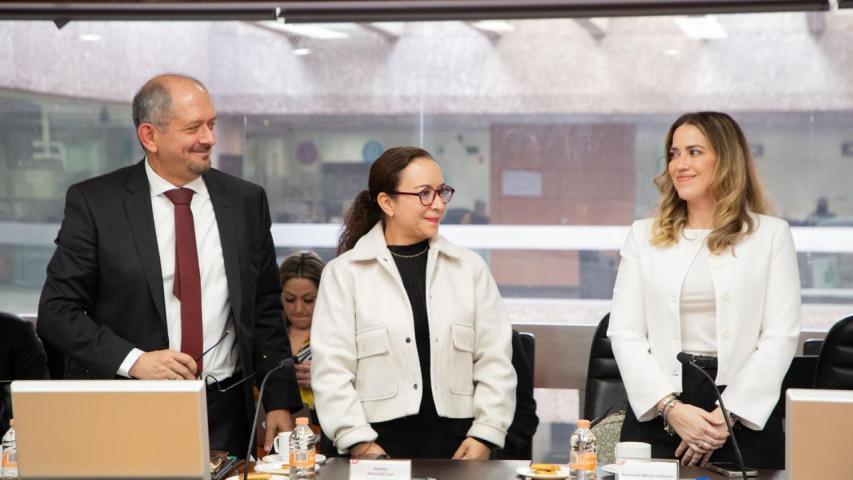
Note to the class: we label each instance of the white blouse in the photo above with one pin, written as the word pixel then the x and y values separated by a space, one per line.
pixel 698 306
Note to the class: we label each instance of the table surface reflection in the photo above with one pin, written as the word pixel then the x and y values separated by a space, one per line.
pixel 338 469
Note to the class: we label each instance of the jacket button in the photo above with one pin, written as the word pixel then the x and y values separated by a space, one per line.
pixel 408 340
pixel 416 386
pixel 726 296
pixel 726 334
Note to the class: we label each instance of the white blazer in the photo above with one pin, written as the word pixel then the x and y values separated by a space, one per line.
pixel 363 369
pixel 757 292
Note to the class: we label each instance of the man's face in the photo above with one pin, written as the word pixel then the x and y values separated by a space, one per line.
pixel 184 146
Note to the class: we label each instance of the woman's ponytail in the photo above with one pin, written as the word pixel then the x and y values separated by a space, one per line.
pixel 359 219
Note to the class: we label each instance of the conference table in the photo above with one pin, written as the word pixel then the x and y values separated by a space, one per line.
pixel 338 469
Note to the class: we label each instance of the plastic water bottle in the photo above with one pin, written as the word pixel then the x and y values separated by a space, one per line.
pixel 582 458
pixel 302 454
pixel 10 453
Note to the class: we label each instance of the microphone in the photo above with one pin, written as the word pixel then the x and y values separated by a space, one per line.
pixel 687 359
pixel 286 362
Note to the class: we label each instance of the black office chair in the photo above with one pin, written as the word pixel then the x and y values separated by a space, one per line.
pixel 835 363
pixel 800 375
pixel 604 387
pixel 812 346
pixel 22 357
pixel 519 439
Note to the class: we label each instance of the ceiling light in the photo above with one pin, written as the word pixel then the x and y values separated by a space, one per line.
pixel 671 52
pixel 90 37
pixel 496 26
pixel 301 51
pixel 701 27
pixel 393 29
pixel 307 30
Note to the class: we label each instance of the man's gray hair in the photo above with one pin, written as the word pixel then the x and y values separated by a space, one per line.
pixel 153 103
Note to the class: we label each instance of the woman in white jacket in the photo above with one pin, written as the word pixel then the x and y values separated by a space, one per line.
pixel 714 277
pixel 411 342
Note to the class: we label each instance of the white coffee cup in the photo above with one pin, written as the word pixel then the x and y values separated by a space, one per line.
pixel 632 451
pixel 281 444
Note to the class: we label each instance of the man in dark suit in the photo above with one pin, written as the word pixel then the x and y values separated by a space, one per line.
pixel 166 270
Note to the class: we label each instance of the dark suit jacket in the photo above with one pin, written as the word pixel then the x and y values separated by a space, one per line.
pixel 22 357
pixel 104 290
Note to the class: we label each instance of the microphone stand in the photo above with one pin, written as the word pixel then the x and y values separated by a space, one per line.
pixel 286 362
pixel 687 360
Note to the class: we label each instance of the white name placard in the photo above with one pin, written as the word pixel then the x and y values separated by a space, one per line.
pixel 646 470
pixel 380 469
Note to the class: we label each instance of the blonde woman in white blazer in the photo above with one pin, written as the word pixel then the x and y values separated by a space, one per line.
pixel 711 276
pixel 410 339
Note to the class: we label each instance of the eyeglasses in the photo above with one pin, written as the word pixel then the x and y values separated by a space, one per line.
pixel 427 195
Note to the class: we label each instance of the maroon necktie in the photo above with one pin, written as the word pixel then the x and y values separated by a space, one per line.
pixel 187 286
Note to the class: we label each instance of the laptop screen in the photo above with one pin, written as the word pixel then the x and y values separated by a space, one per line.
pixel 111 429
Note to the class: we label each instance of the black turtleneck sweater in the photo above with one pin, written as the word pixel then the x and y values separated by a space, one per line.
pixel 411 261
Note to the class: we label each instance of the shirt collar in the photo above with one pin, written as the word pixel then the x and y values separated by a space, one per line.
pixel 158 185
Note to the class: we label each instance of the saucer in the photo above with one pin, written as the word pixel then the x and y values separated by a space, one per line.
pixel 278 468
pixel 528 473
pixel 265 476
pixel 276 458
pixel 612 468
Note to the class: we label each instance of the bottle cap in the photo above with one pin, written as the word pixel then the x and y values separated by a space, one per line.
pixel 302 421
pixel 583 423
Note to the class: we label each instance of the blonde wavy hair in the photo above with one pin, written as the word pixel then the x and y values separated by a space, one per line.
pixel 734 185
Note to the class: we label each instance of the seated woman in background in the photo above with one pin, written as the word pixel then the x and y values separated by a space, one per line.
pixel 712 276
pixel 411 339
pixel 300 278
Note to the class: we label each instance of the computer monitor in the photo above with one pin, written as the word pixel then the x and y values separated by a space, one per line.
pixel 818 434
pixel 111 429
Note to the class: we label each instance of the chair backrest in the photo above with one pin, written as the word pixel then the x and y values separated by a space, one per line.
pixel 812 346
pixel 528 345
pixel 519 439
pixel 835 363
pixel 604 387
pixel 800 375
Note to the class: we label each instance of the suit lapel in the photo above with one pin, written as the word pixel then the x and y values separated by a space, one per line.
pixel 140 217
pixel 226 222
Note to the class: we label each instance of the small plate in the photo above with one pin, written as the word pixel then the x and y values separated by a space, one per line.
pixel 276 458
pixel 527 472
pixel 276 467
pixel 272 477
pixel 612 468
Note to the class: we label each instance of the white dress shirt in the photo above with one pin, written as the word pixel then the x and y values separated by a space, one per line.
pixel 221 361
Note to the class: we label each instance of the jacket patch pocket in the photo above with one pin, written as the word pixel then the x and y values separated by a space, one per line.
pixel 374 378
pixel 462 360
